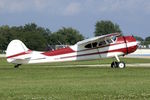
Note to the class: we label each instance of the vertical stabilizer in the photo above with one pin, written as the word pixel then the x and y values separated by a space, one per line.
pixel 15 48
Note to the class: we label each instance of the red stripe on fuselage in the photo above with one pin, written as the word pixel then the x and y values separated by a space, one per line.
pixel 49 53
pixel 123 50
pixel 69 50
pixel 59 52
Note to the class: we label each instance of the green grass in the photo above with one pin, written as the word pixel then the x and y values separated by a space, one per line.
pixel 47 82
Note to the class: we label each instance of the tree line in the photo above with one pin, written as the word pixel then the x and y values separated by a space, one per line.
pixel 38 38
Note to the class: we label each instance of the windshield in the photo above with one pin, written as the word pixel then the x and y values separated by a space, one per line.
pixel 114 38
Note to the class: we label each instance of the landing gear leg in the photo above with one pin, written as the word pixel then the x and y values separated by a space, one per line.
pixel 118 63
pixel 17 66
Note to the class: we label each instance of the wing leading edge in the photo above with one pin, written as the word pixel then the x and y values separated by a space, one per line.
pixel 103 37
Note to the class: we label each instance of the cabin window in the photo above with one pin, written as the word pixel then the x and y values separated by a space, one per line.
pixel 109 41
pixel 94 44
pixel 101 43
pixel 88 45
pixel 91 45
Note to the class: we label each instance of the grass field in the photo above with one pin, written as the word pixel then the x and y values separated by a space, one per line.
pixel 48 82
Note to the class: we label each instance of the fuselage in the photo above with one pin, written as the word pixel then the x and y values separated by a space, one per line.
pixel 119 46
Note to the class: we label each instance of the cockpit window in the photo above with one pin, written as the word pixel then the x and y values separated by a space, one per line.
pixel 101 43
pixel 91 45
pixel 109 41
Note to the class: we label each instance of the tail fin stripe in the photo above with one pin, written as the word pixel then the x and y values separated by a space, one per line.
pixel 20 54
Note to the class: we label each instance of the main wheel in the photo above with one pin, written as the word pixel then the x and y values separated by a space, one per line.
pixel 121 65
pixel 114 64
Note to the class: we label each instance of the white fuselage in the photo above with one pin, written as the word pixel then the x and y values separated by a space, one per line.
pixel 77 54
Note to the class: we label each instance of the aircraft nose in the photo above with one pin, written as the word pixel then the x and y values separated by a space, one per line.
pixel 132 44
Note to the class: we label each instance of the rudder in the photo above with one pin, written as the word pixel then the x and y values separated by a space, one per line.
pixel 15 48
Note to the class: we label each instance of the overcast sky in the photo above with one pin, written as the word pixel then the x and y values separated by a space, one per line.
pixel 133 16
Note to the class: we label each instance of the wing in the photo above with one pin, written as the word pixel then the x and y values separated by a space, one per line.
pixel 98 38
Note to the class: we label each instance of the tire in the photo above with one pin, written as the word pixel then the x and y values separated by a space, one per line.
pixel 114 64
pixel 121 65
pixel 17 66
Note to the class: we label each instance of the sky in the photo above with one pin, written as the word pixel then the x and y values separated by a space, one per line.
pixel 133 16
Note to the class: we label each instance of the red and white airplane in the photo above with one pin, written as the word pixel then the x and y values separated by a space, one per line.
pixel 106 46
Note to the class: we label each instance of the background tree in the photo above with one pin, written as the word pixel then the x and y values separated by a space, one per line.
pixel 147 41
pixel 5 36
pixel 37 38
pixel 139 38
pixel 33 36
pixel 67 36
pixel 106 27
pixel 2 43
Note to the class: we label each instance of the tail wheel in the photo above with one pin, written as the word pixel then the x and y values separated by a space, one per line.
pixel 121 65
pixel 17 66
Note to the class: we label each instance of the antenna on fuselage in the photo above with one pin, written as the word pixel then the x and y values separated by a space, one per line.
pixel 50 47
pixel 60 43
